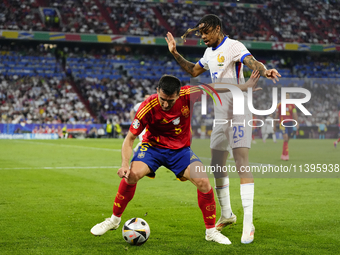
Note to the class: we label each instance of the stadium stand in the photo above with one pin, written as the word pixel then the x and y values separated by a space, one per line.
pixel 110 82
pixel 81 17
pixel 68 84
pixel 39 100
pixel 276 20
pixel 20 15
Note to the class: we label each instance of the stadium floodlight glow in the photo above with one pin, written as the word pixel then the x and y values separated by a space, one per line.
pixel 238 100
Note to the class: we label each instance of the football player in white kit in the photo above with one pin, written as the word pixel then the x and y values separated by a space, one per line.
pixel 224 57
pixel 132 117
pixel 268 129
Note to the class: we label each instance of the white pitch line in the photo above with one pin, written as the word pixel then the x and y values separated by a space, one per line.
pixel 72 146
pixel 232 161
pixel 58 167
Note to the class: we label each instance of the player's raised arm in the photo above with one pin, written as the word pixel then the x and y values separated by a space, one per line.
pixel 124 171
pixel 189 67
pixel 253 64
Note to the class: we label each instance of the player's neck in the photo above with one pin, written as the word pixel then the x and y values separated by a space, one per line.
pixel 220 39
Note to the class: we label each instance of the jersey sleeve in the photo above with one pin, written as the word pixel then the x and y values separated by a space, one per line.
pixel 239 52
pixel 139 123
pixel 203 62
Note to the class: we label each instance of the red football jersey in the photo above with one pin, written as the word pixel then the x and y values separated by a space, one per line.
pixel 166 129
pixel 290 108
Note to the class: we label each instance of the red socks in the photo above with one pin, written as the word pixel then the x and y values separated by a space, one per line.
pixel 207 204
pixel 124 195
pixel 285 148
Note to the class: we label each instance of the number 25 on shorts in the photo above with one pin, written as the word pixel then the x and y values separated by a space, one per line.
pixel 238 132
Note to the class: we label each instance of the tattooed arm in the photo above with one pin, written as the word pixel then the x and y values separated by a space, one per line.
pixel 253 64
pixel 189 67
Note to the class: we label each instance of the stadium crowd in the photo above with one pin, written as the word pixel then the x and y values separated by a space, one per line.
pixel 39 100
pixel 113 81
pixel 276 20
pixel 81 17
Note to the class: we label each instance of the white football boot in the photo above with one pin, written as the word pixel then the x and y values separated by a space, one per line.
pixel 223 222
pixel 108 224
pixel 212 234
pixel 248 235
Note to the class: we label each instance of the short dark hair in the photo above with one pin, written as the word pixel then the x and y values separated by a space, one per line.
pixel 169 84
pixel 210 20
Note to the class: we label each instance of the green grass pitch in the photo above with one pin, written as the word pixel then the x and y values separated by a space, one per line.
pixel 53 192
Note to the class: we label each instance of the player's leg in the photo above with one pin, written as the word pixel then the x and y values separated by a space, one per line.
pixel 126 192
pixel 265 136
pixel 206 201
pixel 285 155
pixel 141 166
pixel 336 142
pixel 247 192
pixel 219 154
pixel 240 137
pixel 274 137
pixel 230 151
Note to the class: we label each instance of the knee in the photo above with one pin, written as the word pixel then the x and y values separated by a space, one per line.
pixel 203 185
pixel 133 178
pixel 240 161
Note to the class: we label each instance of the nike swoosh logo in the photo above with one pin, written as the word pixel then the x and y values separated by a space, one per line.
pixel 237 141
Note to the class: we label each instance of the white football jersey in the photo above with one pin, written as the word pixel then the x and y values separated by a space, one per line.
pixel 135 108
pixel 225 65
pixel 268 126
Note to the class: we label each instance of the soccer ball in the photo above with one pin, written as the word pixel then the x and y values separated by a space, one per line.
pixel 136 231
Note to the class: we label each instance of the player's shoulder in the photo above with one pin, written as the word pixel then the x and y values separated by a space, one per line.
pixel 137 106
pixel 147 105
pixel 188 89
pixel 232 42
pixel 150 99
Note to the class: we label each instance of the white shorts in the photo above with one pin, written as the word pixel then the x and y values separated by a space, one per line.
pixel 237 132
pixel 140 136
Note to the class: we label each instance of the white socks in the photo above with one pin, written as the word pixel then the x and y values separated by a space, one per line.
pixel 222 192
pixel 247 197
pixel 274 137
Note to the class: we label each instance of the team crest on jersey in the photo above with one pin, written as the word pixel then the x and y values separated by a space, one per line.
pixel 135 124
pixel 176 121
pixel 185 111
pixel 164 121
pixel 220 60
pixel 141 155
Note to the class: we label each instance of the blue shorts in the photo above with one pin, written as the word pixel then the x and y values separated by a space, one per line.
pixel 175 160
pixel 287 130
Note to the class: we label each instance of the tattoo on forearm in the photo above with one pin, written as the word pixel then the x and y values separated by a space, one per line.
pixel 185 64
pixel 253 64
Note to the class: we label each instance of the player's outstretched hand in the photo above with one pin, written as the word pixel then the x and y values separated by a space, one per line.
pixel 124 172
pixel 171 42
pixel 272 74
pixel 254 78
